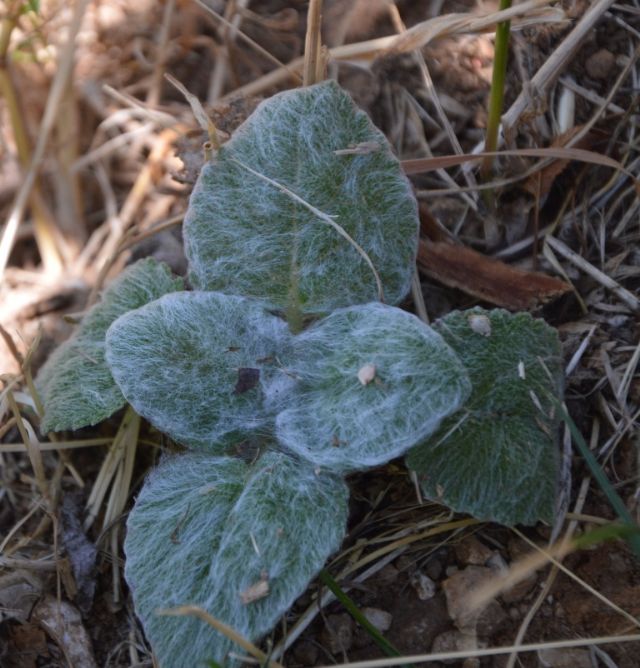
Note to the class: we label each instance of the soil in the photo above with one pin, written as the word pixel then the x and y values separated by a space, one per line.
pixel 416 596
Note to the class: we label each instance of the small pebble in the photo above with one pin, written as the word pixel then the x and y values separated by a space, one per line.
pixel 388 574
pixel 425 587
pixel 305 653
pixel 337 635
pixel 565 658
pixel 453 641
pixel 497 563
pixel 600 64
pixel 379 618
pixel 471 551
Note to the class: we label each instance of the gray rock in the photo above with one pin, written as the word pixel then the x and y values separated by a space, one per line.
pixel 424 586
pixel 305 653
pixel 564 658
pixel 520 589
pixel 378 618
pixel 471 551
pixel 454 641
pixel 337 635
pixel 457 590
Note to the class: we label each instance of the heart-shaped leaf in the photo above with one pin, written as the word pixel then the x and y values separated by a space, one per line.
pixel 254 226
pixel 76 385
pixel 195 364
pixel 240 542
pixel 371 382
pixel 497 458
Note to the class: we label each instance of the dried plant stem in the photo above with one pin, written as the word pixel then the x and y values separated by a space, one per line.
pixel 492 651
pixel 31 444
pixel 312 70
pixel 42 220
pixel 118 465
pixel 531 12
pixel 69 216
pixel 58 88
pixel 228 34
pixel 325 218
pixel 155 89
pixel 554 65
pixel 496 96
pixel 221 627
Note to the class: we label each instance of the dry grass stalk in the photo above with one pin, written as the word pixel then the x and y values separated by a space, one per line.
pixel 578 261
pixel 250 648
pixel 120 227
pixel 215 88
pixel 490 651
pixel 526 14
pixel 551 578
pixel 45 446
pixel 44 228
pixel 56 94
pixel 31 444
pixel 555 63
pixel 433 95
pixel 231 23
pixel 155 89
pixel 116 465
pixel 396 545
pixel 312 68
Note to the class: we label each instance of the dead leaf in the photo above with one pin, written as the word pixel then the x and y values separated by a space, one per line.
pixel 247 379
pixel 255 592
pixel 540 183
pixel 487 279
pixel 19 592
pixel 63 623
pixel 420 165
pixel 81 552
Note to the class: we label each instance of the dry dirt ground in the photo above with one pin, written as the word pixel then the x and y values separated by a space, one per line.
pixel 122 154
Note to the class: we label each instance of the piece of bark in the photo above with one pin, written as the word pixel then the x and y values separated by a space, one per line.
pixel 64 625
pixel 487 279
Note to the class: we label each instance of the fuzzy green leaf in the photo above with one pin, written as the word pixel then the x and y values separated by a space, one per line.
pixel 243 235
pixel 214 533
pixel 76 385
pixel 371 382
pixel 195 364
pixel 497 458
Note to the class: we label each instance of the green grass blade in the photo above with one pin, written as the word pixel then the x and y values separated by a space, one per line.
pixel 355 612
pixel 633 537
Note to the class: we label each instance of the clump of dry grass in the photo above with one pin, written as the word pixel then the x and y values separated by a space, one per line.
pixel 96 175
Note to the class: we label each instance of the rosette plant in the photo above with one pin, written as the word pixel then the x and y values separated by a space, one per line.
pixel 301 236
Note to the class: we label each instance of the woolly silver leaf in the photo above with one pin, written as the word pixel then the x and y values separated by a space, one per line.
pixel 245 236
pixel 497 458
pixel 414 380
pixel 75 383
pixel 209 531
pixel 178 361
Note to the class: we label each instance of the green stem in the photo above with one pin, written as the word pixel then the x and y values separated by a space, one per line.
pixel 293 312
pixel 496 96
pixel 328 581
pixel 633 537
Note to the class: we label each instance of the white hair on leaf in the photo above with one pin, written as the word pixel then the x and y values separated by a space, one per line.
pixel 337 421
pixel 497 458
pixel 195 364
pixel 244 235
pixel 76 385
pixel 192 538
